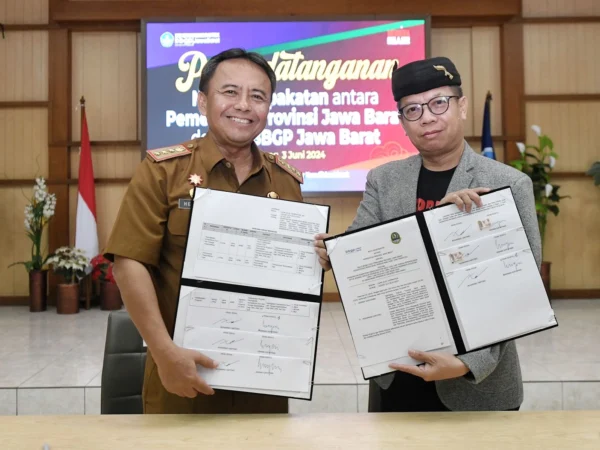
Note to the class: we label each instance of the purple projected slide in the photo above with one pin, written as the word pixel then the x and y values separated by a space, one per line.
pixel 332 116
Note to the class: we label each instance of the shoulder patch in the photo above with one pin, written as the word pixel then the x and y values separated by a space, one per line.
pixel 162 154
pixel 289 169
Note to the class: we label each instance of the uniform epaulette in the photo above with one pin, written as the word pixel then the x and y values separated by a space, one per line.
pixel 164 153
pixel 287 167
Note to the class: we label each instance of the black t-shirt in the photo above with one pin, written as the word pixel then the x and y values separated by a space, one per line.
pixel 409 392
pixel 432 187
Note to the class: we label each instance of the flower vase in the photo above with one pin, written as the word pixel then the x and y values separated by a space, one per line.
pixel 110 296
pixel 38 290
pixel 67 298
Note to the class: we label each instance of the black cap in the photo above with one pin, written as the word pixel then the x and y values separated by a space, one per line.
pixel 423 75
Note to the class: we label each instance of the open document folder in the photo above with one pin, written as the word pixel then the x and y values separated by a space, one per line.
pixel 440 280
pixel 251 291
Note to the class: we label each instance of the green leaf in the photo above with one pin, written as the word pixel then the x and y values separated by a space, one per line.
pixel 543 140
pixel 517 164
pixel 531 155
pixel 554 209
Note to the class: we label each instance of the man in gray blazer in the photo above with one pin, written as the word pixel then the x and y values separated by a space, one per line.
pixel 432 110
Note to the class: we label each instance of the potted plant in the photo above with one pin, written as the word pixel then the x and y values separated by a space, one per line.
pixel 70 263
pixel 38 213
pixel 594 171
pixel 538 162
pixel 102 273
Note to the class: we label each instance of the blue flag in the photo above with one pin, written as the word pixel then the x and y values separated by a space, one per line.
pixel 487 145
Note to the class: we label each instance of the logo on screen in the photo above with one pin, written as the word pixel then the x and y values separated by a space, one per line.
pixel 398 37
pixel 395 238
pixel 167 39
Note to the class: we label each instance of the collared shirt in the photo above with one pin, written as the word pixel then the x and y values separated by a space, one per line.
pixel 152 223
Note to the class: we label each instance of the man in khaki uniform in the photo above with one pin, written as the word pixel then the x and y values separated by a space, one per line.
pixel 148 238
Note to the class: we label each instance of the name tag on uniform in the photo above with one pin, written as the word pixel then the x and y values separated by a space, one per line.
pixel 185 203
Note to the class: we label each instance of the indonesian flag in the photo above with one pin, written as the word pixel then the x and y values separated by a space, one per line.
pixel 86 232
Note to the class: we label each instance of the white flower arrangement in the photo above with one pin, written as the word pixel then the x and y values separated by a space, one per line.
pixel 38 213
pixel 538 161
pixel 70 263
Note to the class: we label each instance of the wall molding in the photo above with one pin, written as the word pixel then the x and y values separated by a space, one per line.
pixel 556 20
pixel 555 294
pixel 562 97
pixel 122 10
pixel 334 297
pixel 25 104
pixel 15 300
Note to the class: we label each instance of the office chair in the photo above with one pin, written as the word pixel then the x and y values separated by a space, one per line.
pixel 123 369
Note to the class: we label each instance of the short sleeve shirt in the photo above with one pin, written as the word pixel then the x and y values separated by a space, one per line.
pixel 151 226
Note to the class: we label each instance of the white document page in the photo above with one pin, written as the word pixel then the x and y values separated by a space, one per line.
pixel 254 241
pixel 491 274
pixel 262 344
pixel 390 296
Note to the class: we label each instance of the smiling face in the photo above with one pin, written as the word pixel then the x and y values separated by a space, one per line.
pixel 237 103
pixel 435 134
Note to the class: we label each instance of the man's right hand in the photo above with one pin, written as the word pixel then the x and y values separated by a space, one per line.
pixel 178 373
pixel 465 198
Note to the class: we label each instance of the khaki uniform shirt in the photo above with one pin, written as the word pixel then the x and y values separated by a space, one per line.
pixel 151 227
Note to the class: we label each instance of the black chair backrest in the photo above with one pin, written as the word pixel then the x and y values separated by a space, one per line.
pixel 123 369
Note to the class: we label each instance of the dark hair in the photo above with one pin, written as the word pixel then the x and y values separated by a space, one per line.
pixel 457 90
pixel 235 53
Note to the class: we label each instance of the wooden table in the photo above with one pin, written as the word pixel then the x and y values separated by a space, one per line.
pixel 440 431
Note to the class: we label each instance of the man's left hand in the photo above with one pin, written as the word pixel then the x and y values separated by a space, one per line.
pixel 438 366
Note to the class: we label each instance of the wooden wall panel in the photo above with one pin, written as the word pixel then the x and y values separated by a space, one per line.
pixel 23 11
pixel 115 10
pixel 105 73
pixel 558 8
pixel 24 66
pixel 108 200
pixel 23 138
pixel 572 243
pixel 573 127
pixel 343 210
pixel 13 241
pixel 562 58
pixel 476 54
pixel 456 44
pixel 486 77
pixel 109 162
pixel 139 84
pixel 59 130
pixel 513 85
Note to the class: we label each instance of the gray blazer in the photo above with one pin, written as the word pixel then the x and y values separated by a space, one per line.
pixel 494 381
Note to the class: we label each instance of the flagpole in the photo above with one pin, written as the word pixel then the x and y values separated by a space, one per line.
pixel 87 279
pixel 487 144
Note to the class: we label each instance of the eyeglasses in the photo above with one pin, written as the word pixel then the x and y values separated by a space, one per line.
pixel 437 106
